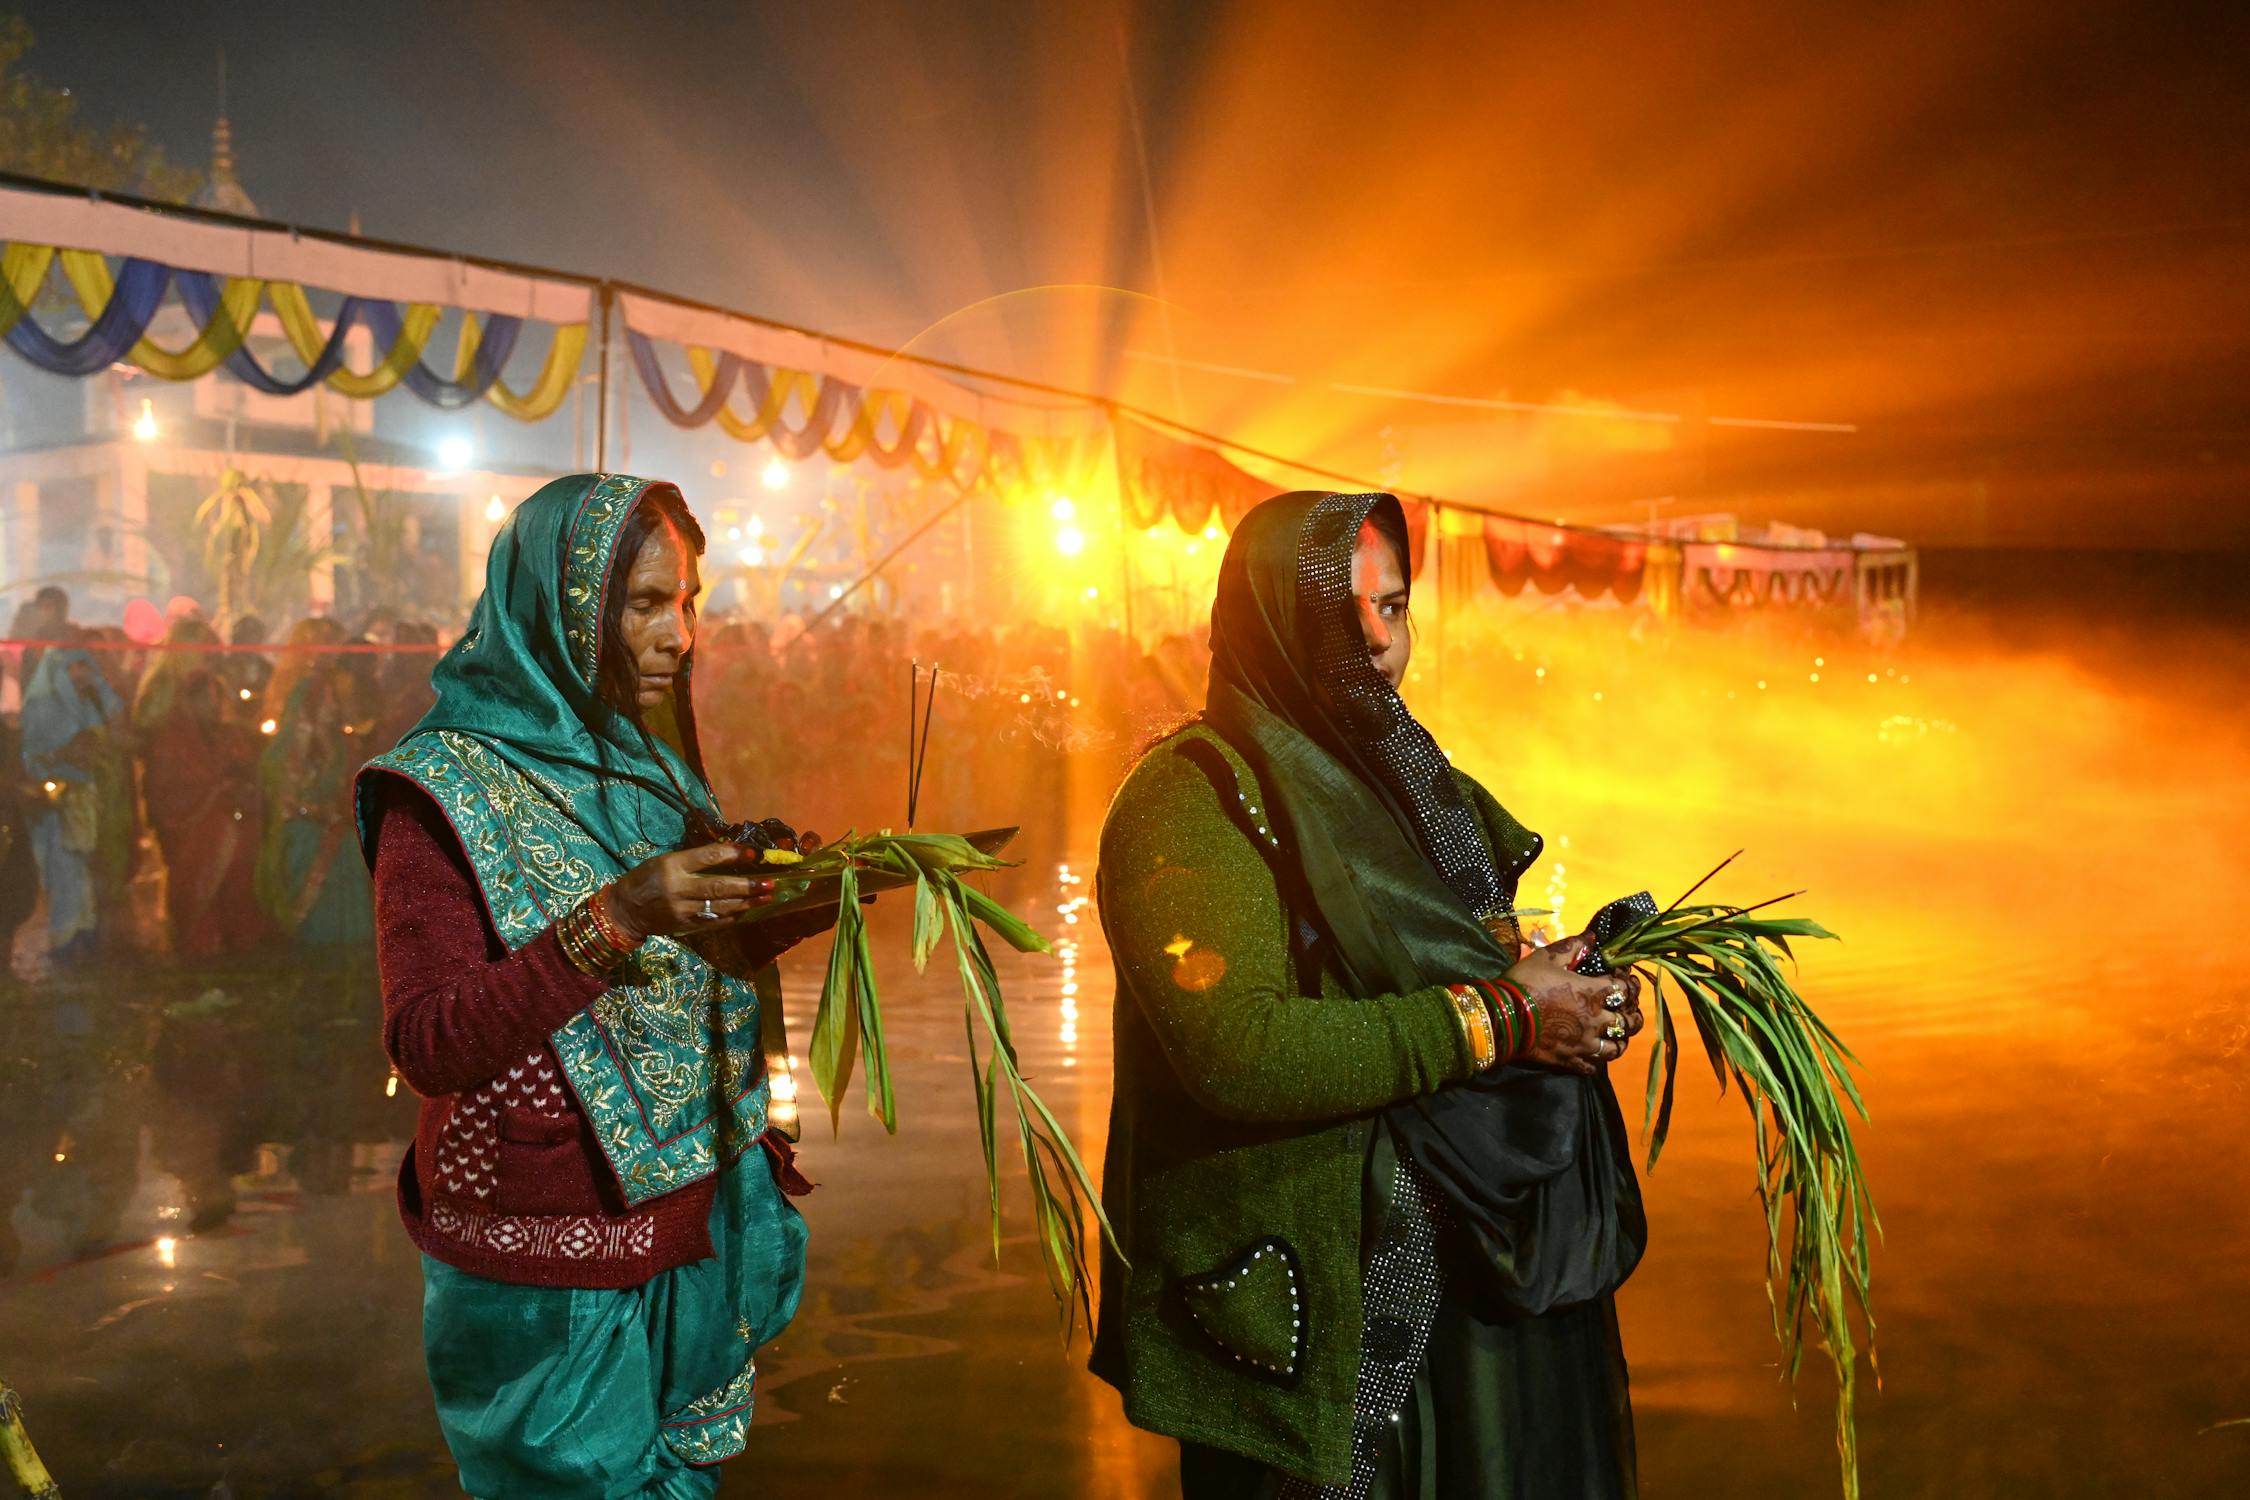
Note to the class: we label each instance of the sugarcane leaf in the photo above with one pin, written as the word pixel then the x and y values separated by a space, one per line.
pixel 880 1102
pixel 835 1035
pixel 1014 931
pixel 927 922
pixel 1668 1042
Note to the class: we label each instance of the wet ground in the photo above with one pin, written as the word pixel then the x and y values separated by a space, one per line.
pixel 2036 867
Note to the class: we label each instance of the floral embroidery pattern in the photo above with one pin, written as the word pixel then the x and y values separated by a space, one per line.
pixel 659 1062
pixel 712 1427
pixel 586 565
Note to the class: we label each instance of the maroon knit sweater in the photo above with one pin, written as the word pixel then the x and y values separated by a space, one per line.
pixel 505 1179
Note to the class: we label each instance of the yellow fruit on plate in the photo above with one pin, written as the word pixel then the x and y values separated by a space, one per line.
pixel 780 857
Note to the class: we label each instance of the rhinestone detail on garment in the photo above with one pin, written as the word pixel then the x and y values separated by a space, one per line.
pixel 1404 753
pixel 1398 1304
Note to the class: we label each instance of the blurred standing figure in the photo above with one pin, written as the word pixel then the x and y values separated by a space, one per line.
pixel 68 711
pixel 402 689
pixel 244 674
pixel 20 802
pixel 310 881
pixel 199 779
pixel 45 616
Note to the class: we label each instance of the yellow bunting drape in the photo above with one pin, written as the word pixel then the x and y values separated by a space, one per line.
pixel 547 389
pixel 307 337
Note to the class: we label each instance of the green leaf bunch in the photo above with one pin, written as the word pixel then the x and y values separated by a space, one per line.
pixel 850 1022
pixel 1793 1074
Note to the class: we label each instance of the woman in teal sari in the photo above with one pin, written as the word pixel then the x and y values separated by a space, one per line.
pixel 70 714
pixel 593 1183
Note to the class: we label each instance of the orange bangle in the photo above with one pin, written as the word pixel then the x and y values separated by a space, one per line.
pixel 1476 1026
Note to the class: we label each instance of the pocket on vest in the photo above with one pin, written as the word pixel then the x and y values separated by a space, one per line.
pixel 1252 1309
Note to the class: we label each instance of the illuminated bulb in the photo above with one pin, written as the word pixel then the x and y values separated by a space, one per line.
pixel 1069 1034
pixel 495 509
pixel 52 786
pixel 1210 533
pixel 1092 592
pixel 1761 684
pixel 1060 695
pixel 144 425
pixel 1063 509
pixel 1597 697
pixel 1193 548
pixel 753 557
pixel 776 475
pixel 835 591
pixel 168 1251
pixel 757 526
pixel 268 727
pixel 1820 661
pixel 1070 541
pixel 1070 987
pixel 244 695
pixel 1074 703
pixel 454 453
pixel 1871 677
pixel 1539 671
pixel 734 533
pixel 1023 698
pixel 390 1087
pixel 59 1156
pixel 1816 677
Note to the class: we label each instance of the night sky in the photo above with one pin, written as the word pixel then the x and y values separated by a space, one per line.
pixel 2007 245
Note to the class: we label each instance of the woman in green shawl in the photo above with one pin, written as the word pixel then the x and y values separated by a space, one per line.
pixel 593 1183
pixel 1364 1160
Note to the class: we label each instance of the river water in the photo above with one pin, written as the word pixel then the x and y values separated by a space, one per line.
pixel 2034 854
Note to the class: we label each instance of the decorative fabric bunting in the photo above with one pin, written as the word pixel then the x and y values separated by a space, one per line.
pixel 121 306
pixel 1163 477
pixel 848 422
pixel 1554 558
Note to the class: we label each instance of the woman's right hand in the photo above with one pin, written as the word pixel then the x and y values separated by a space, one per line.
pixel 1576 1010
pixel 687 890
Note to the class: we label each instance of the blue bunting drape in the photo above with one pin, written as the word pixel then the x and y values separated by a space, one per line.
pixel 200 291
pixel 141 285
pixel 493 349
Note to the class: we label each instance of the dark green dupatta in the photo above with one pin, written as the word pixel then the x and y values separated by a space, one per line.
pixel 552 793
pixel 1389 857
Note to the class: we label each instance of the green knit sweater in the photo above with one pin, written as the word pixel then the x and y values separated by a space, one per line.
pixel 1246 1084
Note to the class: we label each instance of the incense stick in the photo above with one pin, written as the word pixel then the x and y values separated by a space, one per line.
pixel 922 755
pixel 1700 884
pixel 913 679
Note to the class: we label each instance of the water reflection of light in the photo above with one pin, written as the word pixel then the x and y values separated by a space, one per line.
pixel 1066 950
pixel 168 1252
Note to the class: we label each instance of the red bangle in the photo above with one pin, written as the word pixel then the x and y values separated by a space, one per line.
pixel 1530 1011
pixel 612 931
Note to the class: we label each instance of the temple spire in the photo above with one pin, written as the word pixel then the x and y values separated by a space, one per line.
pixel 224 191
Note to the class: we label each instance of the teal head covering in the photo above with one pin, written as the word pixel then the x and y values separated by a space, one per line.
pixel 522 678
pixel 553 793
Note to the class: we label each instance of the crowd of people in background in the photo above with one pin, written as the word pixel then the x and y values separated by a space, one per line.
pixel 192 797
